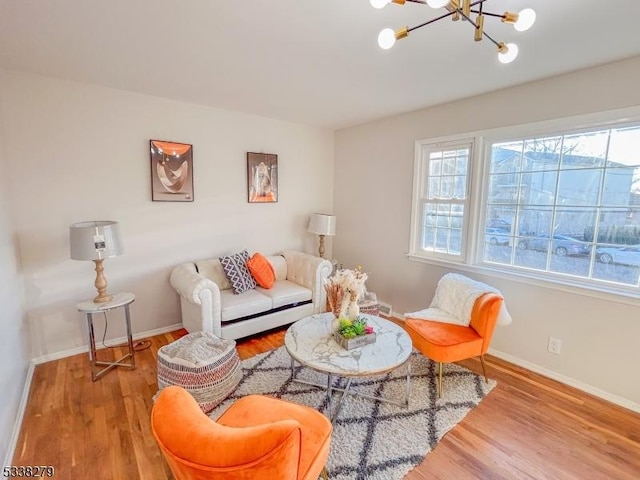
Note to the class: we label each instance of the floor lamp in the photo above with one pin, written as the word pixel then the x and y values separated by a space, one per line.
pixel 322 224
pixel 96 241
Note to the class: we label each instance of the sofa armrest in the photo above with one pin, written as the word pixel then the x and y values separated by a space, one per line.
pixel 310 272
pixel 189 283
pixel 200 303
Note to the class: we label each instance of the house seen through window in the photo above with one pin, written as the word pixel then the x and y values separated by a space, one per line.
pixel 562 206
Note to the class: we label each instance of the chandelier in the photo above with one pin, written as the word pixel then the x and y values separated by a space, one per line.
pixel 457 9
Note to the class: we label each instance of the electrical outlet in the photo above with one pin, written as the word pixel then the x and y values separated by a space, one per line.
pixel 554 345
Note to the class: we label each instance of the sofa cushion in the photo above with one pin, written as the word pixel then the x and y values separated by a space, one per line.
pixel 241 305
pixel 212 269
pixel 235 266
pixel 261 270
pixel 279 265
pixel 285 292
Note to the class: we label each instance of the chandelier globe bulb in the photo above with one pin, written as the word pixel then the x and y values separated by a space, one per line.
pixel 510 53
pixel 526 19
pixel 379 3
pixel 386 38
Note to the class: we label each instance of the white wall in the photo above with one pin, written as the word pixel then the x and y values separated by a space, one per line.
pixel 81 152
pixel 14 340
pixel 600 337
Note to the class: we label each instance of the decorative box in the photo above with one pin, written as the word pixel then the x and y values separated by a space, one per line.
pixel 369 304
pixel 354 342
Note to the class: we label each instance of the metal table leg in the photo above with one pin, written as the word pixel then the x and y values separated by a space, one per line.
pixel 109 365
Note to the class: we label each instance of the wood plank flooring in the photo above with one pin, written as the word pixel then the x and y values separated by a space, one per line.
pixel 529 427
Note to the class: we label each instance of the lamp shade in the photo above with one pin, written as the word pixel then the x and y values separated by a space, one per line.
pixel 95 240
pixel 322 224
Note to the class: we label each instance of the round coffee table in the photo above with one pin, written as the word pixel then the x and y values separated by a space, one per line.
pixel 310 343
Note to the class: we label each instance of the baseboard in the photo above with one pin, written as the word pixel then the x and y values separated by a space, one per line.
pixel 56 356
pixel 85 348
pixel 20 415
pixel 621 401
pixel 597 392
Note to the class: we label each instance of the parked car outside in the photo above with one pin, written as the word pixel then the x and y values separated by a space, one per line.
pixel 500 224
pixel 496 236
pixel 562 244
pixel 624 255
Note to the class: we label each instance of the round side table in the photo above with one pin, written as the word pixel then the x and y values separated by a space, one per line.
pixel 122 299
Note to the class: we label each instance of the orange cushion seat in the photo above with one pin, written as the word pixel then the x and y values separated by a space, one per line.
pixel 257 437
pixel 443 342
pixel 315 437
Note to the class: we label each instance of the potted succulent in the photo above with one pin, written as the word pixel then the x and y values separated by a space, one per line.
pixel 354 333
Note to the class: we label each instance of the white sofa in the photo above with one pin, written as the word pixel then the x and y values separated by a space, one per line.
pixel 208 303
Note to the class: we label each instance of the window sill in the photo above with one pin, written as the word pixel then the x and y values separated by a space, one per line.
pixel 611 294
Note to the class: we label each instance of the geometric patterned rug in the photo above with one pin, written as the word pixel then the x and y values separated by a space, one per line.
pixel 372 440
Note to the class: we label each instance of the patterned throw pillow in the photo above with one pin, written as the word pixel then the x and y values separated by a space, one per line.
pixel 235 268
pixel 262 270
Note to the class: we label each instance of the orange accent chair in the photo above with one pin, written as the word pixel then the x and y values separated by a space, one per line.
pixel 445 342
pixel 257 437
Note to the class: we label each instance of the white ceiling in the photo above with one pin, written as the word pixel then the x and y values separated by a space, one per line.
pixel 310 61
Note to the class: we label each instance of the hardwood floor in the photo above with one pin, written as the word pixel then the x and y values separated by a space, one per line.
pixel 528 427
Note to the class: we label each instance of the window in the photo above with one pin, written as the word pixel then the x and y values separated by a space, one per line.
pixel 560 206
pixel 442 201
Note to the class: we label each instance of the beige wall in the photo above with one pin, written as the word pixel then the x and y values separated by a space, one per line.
pixel 14 340
pixel 373 183
pixel 81 152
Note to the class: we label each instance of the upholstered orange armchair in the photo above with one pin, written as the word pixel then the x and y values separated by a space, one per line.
pixel 257 437
pixel 451 342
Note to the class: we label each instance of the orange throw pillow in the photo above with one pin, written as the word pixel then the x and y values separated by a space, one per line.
pixel 261 270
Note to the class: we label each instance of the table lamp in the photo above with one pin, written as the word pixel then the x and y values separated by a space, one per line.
pixel 322 224
pixel 96 241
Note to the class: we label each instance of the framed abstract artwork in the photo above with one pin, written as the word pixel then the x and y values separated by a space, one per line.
pixel 171 171
pixel 262 177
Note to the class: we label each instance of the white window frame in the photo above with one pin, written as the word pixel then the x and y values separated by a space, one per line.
pixel 477 193
pixel 420 166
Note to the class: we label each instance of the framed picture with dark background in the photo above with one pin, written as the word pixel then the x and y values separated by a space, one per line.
pixel 262 177
pixel 171 171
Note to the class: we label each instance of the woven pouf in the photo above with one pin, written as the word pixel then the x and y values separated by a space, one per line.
pixel 206 366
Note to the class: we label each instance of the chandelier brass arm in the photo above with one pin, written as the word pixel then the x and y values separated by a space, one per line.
pixel 457 9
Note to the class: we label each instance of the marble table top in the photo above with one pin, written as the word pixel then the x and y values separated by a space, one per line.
pixel 309 342
pixel 119 299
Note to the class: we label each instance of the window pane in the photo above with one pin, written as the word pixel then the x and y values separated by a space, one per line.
pixel 585 150
pixel 442 240
pixel 442 228
pixel 534 221
pixel 541 154
pixel 621 186
pixel 446 190
pixel 500 217
pixel 435 167
pixel 434 188
pixel 449 163
pixel 538 188
pixel 624 147
pixel 462 164
pixel 617 264
pixel 503 188
pixel 579 187
pixel 575 222
pixel 506 157
pixel 455 241
pixel 460 187
pixel 429 238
